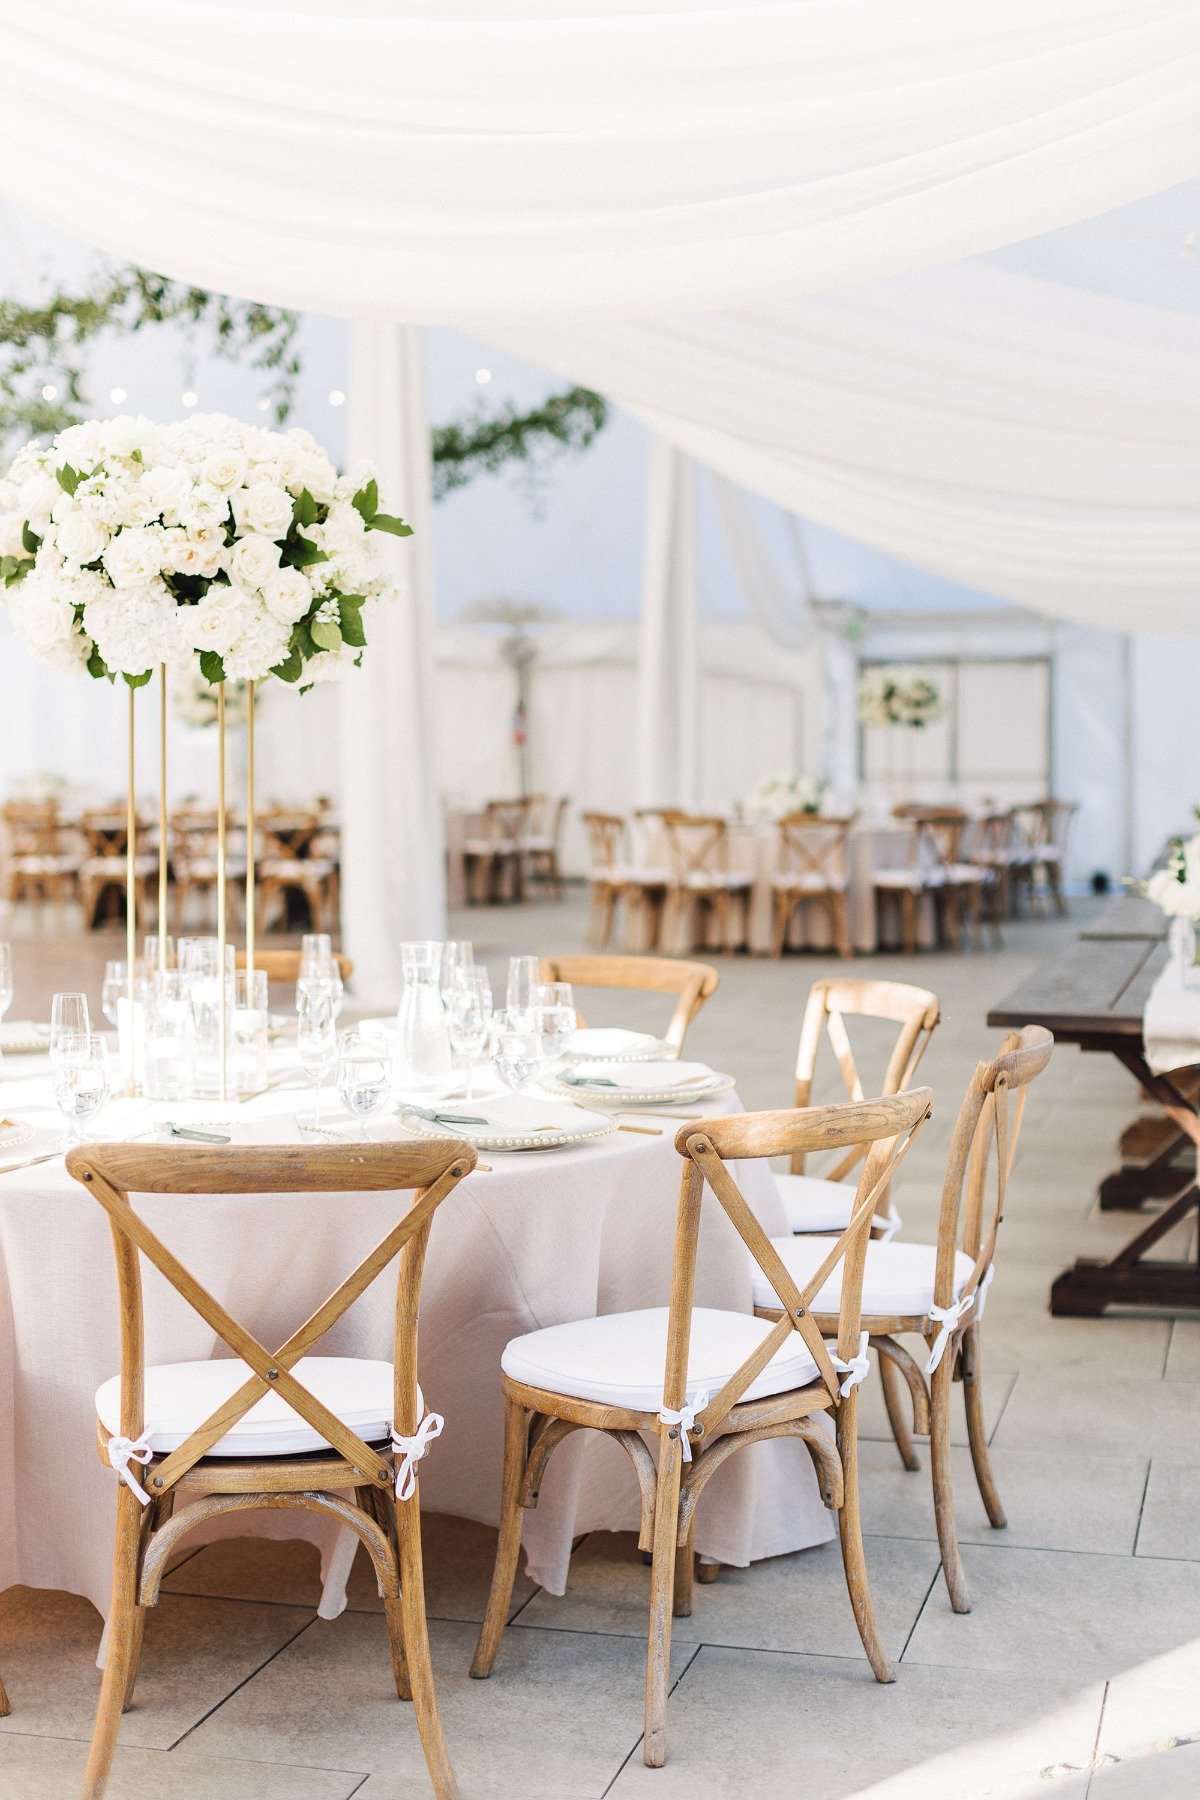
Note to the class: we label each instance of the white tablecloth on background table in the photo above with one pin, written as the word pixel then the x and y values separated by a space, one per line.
pixel 1171 1023
pixel 544 1238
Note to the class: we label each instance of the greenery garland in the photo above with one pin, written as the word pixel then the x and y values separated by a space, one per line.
pixel 43 344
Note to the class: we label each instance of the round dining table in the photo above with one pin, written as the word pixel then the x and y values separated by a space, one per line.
pixel 532 1239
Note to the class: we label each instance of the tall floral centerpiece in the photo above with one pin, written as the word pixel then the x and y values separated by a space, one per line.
pixel 1175 888
pixel 204 546
pixel 898 700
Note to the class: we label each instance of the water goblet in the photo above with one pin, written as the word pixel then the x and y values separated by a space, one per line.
pixel 81 1086
pixel 316 1043
pixel 556 1017
pixel 524 979
pixel 364 1077
pixel 458 961
pixel 518 1057
pixel 316 954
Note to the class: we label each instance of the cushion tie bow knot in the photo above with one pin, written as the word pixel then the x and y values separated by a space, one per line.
pixel 685 1419
pixel 857 1369
pixel 410 1450
pixel 121 1452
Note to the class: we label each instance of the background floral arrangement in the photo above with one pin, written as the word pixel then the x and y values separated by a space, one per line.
pixel 784 794
pixel 898 697
pixel 125 545
pixel 195 703
pixel 1176 886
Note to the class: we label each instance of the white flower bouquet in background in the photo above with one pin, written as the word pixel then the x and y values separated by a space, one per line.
pixel 1175 888
pixel 195 703
pixel 784 794
pixel 898 697
pixel 242 552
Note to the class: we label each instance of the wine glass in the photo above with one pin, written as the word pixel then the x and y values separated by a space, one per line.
pixel 524 979
pixel 316 954
pixel 518 1055
pixel 81 1086
pixel 458 960
pixel 556 1017
pixel 316 1042
pixel 6 978
pixel 114 988
pixel 363 1075
pixel 469 1023
pixel 151 948
pixel 70 1028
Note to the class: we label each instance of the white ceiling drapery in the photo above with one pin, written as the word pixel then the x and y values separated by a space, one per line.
pixel 490 159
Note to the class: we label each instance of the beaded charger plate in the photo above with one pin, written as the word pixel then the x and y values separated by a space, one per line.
pixel 518 1123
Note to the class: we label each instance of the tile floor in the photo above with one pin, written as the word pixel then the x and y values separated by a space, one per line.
pixel 1075 1677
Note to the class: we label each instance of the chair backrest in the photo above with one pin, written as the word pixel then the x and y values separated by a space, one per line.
pixel 880 1131
pixel 989 1119
pixel 33 827
pixel 505 822
pixel 105 833
pixel 940 831
pixel 697 844
pixel 1054 821
pixel 694 982
pixel 546 815
pixel 814 847
pixel 287 833
pixel 831 1002
pixel 606 838
pixel 113 1172
pixel 284 965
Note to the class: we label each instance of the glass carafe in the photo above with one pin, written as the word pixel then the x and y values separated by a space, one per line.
pixel 421 1064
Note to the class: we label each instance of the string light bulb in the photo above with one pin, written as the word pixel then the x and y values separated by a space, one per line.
pixel 49 393
pixel 117 396
pixel 336 397
pixel 188 398
pixel 264 400
pixel 483 376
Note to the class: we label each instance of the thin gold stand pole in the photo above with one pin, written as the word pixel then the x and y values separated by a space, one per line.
pixel 131 889
pixel 222 1050
pixel 250 829
pixel 162 817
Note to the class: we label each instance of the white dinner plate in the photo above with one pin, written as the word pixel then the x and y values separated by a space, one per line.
pixel 611 1044
pixel 13 1132
pixel 514 1122
pixel 622 1084
pixel 21 1037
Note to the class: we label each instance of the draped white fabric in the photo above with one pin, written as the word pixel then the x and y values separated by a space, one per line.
pixel 524 158
pixel 668 759
pixel 393 882
pixel 1027 439
pixel 783 611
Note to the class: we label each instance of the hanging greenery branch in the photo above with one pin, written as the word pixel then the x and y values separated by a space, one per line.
pixel 43 345
pixel 483 442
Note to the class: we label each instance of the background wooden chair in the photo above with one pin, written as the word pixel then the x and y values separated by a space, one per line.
pixel 702 884
pixel 1044 827
pixel 606 873
pixel 812 870
pixel 40 863
pixel 289 864
pixel 102 872
pixel 707 1382
pixel 279 1427
pixel 996 846
pixel 283 966
pixel 542 843
pixel 823 1203
pixel 493 862
pixel 938 1290
pixel 693 982
pixel 193 842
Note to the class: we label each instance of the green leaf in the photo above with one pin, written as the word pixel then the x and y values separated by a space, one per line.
pixel 97 668
pixel 30 539
pixel 301 553
pixel 137 681
pixel 68 478
pixel 302 640
pixel 304 510
pixel 326 634
pixel 211 667
pixel 350 614
pixel 14 569
pixel 389 522
pixel 366 501
pixel 291 668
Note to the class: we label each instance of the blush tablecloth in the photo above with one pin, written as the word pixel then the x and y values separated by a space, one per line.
pixel 543 1238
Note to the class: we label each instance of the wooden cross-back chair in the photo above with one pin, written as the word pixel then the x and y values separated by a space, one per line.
pixel 193 841
pixel 542 841
pixel 102 873
pixel 693 982
pixel 606 873
pixel 493 860
pixel 939 1290
pixel 288 864
pixel 823 1203
pixel 812 869
pixel 1043 827
pixel 38 864
pixel 707 1382
pixel 702 884
pixel 187 1429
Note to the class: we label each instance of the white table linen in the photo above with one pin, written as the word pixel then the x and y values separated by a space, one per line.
pixel 541 1239
pixel 1171 1022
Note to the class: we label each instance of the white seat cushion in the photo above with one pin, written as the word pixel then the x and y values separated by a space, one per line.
pixel 814 1204
pixel 619 1359
pixel 898 1277
pixel 899 878
pixel 809 881
pixel 180 1396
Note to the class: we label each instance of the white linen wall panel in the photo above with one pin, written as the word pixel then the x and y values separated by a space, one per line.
pixel 583 158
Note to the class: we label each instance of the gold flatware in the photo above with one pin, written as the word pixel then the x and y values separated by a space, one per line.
pixel 642 1130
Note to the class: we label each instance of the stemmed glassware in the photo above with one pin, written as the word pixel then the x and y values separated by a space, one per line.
pixel 70 1028
pixel 469 1020
pixel 316 1042
pixel 6 978
pixel 521 1000
pixel 519 1056
pixel 114 989
pixel 364 1078
pixel 81 1085
pixel 319 972
pixel 556 1017
pixel 458 962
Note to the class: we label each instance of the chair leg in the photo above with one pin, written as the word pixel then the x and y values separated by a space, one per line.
pixel 841 926
pixel 782 913
pixel 121 1629
pixel 662 1600
pixel 972 1387
pixel 1054 874
pixel 895 1398
pixel 416 1642
pixel 685 1572
pixel 908 928
pixel 706 1569
pixel 380 1505
pixel 5 1707
pixel 850 1529
pixel 508 1547
pixel 943 1483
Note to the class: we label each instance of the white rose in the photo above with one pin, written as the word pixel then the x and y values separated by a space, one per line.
pixel 39 619
pixel 168 490
pixel 217 622
pixel 287 596
pixel 37 498
pixel 226 469
pixel 12 541
pixel 123 435
pixel 133 557
pixel 253 560
pixel 193 553
pixel 80 538
pixel 264 508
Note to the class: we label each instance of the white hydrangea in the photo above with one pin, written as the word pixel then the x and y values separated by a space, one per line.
pixel 136 629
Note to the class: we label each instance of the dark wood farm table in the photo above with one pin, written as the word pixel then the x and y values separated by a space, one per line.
pixel 1094 996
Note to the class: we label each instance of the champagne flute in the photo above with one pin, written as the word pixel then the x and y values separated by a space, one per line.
pixel 6 978
pixel 363 1075
pixel 556 1017
pixel 150 954
pixel 316 1043
pixel 458 962
pixel 81 1086
pixel 518 1055
pixel 469 1024
pixel 70 1028
pixel 114 989
pixel 316 954
pixel 524 979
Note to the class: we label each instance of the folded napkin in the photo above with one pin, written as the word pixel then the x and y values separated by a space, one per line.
pixel 1171 1023
pixel 611 1040
pixel 639 1077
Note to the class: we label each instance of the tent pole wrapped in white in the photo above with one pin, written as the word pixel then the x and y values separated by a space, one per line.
pixel 393 883
pixel 668 724
pixel 533 158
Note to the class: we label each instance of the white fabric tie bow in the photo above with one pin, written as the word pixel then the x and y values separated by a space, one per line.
pixel 121 1452
pixel 685 1418
pixel 887 1228
pixel 410 1450
pixel 857 1369
pixel 948 1317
